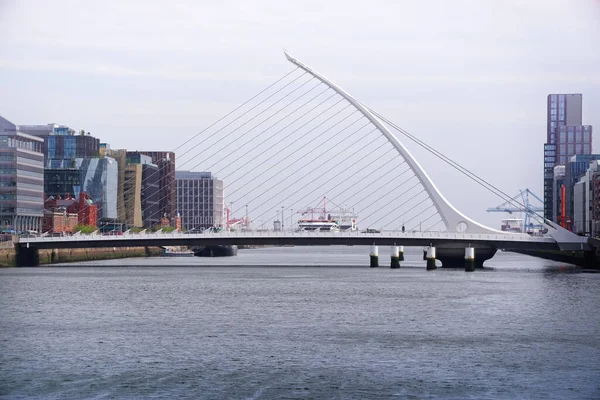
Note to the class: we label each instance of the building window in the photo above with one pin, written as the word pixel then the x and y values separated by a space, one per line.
pixel 563 136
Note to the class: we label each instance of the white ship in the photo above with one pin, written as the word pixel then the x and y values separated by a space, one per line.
pixel 321 225
pixel 342 220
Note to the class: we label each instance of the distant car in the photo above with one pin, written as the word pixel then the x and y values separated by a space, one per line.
pixel 371 230
pixel 194 231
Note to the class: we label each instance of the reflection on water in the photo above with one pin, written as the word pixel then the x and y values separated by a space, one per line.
pixel 323 326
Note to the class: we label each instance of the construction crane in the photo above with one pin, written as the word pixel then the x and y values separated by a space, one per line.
pixel 516 203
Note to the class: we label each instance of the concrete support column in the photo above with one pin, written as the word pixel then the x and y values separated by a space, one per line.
pixel 470 259
pixel 374 255
pixel 431 258
pixel 26 257
pixel 401 253
pixel 395 257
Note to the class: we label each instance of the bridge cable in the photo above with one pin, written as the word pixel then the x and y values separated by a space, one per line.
pixel 262 132
pixel 455 165
pixel 223 118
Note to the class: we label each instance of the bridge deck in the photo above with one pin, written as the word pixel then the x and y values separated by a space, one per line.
pixel 294 238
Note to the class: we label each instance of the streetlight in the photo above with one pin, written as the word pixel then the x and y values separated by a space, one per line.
pixel 247 225
pixel 282 207
pixel 291 219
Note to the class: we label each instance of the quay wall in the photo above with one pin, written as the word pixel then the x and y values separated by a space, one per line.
pixel 54 256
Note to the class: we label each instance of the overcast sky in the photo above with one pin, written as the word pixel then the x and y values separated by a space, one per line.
pixel 468 77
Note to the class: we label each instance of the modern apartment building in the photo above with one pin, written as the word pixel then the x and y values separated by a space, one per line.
pixel 200 202
pixel 21 179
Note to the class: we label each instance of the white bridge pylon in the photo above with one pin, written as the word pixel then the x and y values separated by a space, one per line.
pixel 454 220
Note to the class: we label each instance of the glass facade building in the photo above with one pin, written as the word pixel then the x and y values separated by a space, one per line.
pixel 60 182
pixel 200 201
pixel 21 179
pixel 99 179
pixel 62 145
pixel 565 137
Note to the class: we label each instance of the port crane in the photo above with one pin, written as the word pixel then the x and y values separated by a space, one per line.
pixel 530 210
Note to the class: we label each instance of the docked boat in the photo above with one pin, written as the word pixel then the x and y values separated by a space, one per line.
pixel 320 220
pixel 321 225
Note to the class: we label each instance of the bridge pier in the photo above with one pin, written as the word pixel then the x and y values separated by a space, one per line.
pixel 374 256
pixel 431 258
pixel 26 257
pixel 400 253
pixel 395 257
pixel 469 259
pixel 455 256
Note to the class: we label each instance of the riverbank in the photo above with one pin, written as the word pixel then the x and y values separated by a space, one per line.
pixel 53 256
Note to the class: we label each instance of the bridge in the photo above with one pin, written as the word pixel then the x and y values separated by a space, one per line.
pixel 246 153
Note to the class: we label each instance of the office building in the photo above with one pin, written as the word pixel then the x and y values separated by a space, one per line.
pixel 586 207
pixel 21 179
pixel 62 145
pixel 575 169
pixel 120 156
pixel 565 137
pixel 132 189
pixel 165 161
pixel 99 179
pixel 149 189
pixel 199 197
pixel 62 182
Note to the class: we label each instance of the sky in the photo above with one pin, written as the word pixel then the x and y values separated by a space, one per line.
pixel 468 77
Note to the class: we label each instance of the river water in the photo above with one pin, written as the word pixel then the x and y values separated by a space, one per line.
pixel 299 322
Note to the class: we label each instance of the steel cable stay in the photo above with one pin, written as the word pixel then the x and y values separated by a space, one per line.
pixel 421 212
pixel 393 199
pixel 303 166
pixel 226 145
pixel 314 169
pixel 395 177
pixel 240 116
pixel 281 130
pixel 220 120
pixel 295 141
pixel 428 229
pixel 417 204
pixel 400 216
pixel 360 180
pixel 234 130
pixel 367 176
pixel 265 130
pixel 345 170
pixel 482 182
pixel 303 155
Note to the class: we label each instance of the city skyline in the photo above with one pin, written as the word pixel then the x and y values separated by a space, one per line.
pixel 455 92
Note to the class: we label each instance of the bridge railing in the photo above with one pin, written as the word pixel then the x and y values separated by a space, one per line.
pixel 261 233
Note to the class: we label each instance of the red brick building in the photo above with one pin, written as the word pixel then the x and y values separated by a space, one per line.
pixel 64 214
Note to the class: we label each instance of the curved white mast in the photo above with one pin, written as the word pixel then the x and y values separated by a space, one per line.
pixel 452 218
